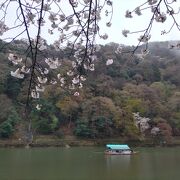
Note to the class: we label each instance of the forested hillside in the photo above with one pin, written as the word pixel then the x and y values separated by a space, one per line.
pixel 110 96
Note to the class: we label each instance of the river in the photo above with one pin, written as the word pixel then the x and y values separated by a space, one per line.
pixel 88 163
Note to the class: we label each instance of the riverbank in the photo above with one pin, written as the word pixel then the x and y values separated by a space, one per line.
pixel 53 141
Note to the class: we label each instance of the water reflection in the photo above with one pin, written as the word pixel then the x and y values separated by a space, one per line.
pixel 117 161
pixel 88 164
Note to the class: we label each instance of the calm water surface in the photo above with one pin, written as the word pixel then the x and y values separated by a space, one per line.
pixel 88 163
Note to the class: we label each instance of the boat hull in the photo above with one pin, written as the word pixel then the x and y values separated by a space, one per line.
pixel 119 153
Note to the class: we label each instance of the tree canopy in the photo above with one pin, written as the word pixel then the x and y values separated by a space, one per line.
pixel 51 80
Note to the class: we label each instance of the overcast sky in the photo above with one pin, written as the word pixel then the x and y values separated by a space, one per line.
pixel 119 23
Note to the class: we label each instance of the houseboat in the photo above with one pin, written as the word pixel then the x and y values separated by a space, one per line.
pixel 118 149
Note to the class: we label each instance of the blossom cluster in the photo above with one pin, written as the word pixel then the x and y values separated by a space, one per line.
pixel 77 29
pixel 161 11
pixel 3 28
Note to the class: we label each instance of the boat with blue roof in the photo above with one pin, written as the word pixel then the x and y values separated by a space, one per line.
pixel 119 149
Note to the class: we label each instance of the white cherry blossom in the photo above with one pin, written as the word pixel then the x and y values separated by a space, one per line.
pixel 70 73
pixel 75 80
pixel 109 62
pixel 42 80
pixel 128 14
pixel 40 88
pixel 71 86
pixel 80 85
pixel 3 28
pixel 138 11
pixel 62 80
pixel 144 38
pixel 91 67
pixel 76 94
pixel 82 78
pixel 14 59
pixel 125 32
pixel 34 94
pixel 25 70
pixel 105 36
pixel 38 107
pixel 59 76
pixel 53 82
pixel 151 2
pixel 17 74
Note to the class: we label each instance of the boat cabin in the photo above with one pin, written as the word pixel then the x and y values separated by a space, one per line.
pixel 118 149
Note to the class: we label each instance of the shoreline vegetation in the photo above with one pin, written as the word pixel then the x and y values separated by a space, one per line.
pixel 71 141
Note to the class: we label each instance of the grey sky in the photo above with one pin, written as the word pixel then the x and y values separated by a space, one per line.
pixel 119 22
